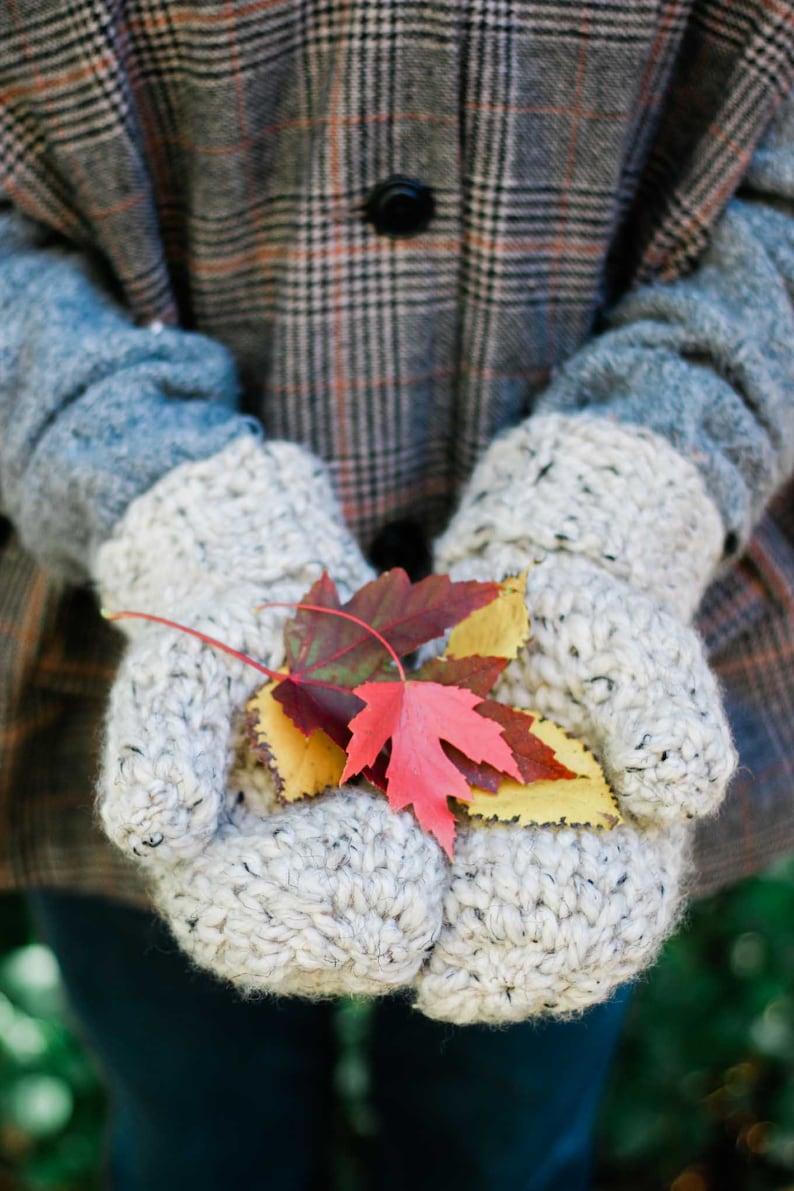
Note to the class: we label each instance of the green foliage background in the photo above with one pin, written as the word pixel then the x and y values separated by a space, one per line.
pixel 701 1097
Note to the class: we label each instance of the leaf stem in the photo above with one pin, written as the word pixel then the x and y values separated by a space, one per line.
pixel 345 616
pixel 183 628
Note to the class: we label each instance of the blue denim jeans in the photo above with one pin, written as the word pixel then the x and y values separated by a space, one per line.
pixel 209 1091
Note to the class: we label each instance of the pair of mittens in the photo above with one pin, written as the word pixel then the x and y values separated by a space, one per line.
pixel 339 894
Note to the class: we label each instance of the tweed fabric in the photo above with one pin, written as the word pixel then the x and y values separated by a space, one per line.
pixel 747 620
pixel 217 157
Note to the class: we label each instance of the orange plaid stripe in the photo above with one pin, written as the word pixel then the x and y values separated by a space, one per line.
pixel 217 156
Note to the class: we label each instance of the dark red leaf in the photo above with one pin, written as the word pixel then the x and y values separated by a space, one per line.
pixel 479 774
pixel 478 674
pixel 536 760
pixel 406 614
pixel 327 656
pixel 312 705
pixel 299 636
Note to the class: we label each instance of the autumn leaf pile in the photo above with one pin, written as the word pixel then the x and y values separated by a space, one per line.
pixel 348 704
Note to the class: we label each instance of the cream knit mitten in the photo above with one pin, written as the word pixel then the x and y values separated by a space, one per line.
pixel 334 895
pixel 539 920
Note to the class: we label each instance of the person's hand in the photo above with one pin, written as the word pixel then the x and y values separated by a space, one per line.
pixel 333 895
pixel 545 920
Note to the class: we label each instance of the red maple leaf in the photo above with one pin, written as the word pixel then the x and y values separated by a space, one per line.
pixel 417 717
pixel 536 760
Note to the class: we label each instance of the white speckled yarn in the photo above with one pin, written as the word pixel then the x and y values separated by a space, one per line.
pixel 331 896
pixel 261 514
pixel 624 674
pixel 337 895
pixel 585 486
pixel 547 921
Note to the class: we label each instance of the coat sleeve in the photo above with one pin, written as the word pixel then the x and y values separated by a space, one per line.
pixel 93 409
pixel 708 361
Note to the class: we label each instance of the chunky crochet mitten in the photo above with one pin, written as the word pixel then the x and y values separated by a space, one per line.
pixel 626 538
pixel 335 895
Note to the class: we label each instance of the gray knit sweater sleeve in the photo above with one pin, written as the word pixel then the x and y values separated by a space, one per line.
pixel 93 410
pixel 708 361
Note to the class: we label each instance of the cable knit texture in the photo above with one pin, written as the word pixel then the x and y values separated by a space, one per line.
pixel 625 540
pixel 337 895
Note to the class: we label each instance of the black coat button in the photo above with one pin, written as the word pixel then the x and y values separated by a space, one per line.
pixel 402 544
pixel 399 207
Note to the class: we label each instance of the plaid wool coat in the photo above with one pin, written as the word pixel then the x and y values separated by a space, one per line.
pixel 220 161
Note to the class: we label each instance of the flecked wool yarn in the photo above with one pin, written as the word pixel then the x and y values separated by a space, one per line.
pixel 335 895
pixel 541 920
pixel 549 921
pixel 339 894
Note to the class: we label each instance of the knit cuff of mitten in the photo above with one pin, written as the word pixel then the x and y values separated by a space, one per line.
pixel 618 495
pixel 254 516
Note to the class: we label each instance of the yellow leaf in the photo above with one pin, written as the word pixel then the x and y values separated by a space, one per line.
pixel 301 766
pixel 499 629
pixel 583 801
